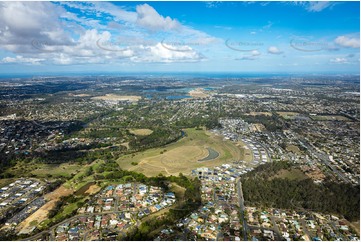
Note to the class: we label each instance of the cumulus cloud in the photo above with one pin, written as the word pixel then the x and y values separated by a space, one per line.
pixel 47 32
pixel 348 42
pixel 255 53
pixel 35 20
pixel 149 18
pixel 274 50
pixel 253 56
pixel 165 53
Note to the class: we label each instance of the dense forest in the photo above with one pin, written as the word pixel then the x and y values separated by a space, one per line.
pixel 328 197
pixel 159 137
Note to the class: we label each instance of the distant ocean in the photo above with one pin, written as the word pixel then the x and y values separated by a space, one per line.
pixel 171 74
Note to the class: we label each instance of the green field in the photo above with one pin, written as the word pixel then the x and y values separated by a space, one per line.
pixel 182 156
pixel 56 170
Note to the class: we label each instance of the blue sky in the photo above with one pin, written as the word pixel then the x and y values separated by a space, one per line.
pixel 287 37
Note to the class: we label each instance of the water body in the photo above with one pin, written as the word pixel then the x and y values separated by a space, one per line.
pixel 212 154
pixel 177 97
pixel 209 88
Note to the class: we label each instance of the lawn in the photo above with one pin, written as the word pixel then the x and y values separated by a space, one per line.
pixel 183 155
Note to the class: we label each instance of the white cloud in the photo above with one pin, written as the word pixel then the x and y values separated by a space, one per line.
pixel 247 58
pixel 339 60
pixel 255 53
pixel 318 6
pixel 23 22
pixel 347 42
pixel 150 19
pixel 253 56
pixel 21 59
pixel 46 32
pixel 118 12
pixel 314 6
pixel 166 53
pixel 213 4
pixel 274 50
pixel 268 25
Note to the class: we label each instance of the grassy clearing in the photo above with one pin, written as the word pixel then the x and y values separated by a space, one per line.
pixel 5 182
pixel 183 155
pixel 56 170
pixel 288 115
pixel 260 113
pixel 329 118
pixel 293 174
pixel 246 153
pixel 81 179
pixel 141 132
pixel 83 189
pixel 294 149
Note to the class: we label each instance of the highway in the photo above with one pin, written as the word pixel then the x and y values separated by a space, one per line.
pixel 322 156
pixel 241 206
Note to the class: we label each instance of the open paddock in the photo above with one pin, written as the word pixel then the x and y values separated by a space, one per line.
pixel 114 97
pixel 183 156
pixel 141 132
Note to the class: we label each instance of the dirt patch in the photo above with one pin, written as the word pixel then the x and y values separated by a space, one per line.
pixel 260 113
pixel 141 132
pixel 114 97
pixel 42 213
pixel 92 190
pixel 258 127
pixel 125 144
pixel 198 93
pixel 84 189
pixel 79 95
pixel 313 172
